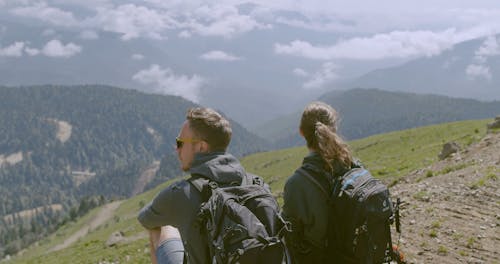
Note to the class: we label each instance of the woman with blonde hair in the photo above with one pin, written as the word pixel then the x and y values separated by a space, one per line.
pixel 305 206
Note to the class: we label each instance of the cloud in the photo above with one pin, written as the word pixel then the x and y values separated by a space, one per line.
pixel 13 50
pixel 322 25
pixel 449 62
pixel 55 48
pixel 221 20
pixel 479 69
pixel 32 51
pixel 132 21
pixel 489 47
pixel 88 34
pixel 474 71
pixel 48 32
pixel 137 56
pixel 166 82
pixel 218 55
pixel 397 44
pixel 184 34
pixel 42 11
pixel 325 75
pixel 300 72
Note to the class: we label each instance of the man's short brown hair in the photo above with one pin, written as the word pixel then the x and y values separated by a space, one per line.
pixel 210 126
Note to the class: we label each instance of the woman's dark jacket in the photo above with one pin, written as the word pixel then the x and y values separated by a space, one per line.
pixel 306 208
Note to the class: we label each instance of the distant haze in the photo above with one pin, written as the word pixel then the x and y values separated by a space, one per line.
pixel 254 60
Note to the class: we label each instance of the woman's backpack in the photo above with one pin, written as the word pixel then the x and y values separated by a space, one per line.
pixel 360 218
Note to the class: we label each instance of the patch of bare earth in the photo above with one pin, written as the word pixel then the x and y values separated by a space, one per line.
pixel 452 210
pixel 80 177
pixel 156 136
pixel 11 159
pixel 102 216
pixel 145 177
pixel 63 129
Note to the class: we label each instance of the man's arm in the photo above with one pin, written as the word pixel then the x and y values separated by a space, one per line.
pixel 155 215
pixel 154 241
pixel 158 212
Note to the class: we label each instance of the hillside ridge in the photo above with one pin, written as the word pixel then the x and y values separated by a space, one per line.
pixel 436 229
pixel 452 211
pixel 365 112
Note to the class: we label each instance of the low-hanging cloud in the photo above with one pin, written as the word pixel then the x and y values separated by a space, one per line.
pixel 397 44
pixel 480 69
pixel 490 47
pixel 13 50
pixel 475 71
pixel 165 81
pixel 218 55
pixel 55 48
pixel 325 75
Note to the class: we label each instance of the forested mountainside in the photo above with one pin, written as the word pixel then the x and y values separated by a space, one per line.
pixel 60 144
pixel 366 112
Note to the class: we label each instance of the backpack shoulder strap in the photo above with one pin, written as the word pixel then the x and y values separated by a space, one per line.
pixel 203 185
pixel 311 178
pixel 197 183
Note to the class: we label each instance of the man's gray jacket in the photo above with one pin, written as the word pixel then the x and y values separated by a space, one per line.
pixel 178 204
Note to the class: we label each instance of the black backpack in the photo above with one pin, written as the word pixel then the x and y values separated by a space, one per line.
pixel 360 218
pixel 241 222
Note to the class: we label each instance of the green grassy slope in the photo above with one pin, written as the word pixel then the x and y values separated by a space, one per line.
pixel 389 156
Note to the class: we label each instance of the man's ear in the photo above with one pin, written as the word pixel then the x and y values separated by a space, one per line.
pixel 301 133
pixel 204 147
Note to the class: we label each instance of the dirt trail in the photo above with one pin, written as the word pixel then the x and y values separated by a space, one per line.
pixel 102 216
pixel 452 215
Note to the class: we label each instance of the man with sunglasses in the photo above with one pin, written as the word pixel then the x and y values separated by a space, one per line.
pixel 201 149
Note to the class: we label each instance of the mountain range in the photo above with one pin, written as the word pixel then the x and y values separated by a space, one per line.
pixel 365 112
pixel 468 70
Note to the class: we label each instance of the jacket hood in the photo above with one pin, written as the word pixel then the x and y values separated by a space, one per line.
pixel 315 162
pixel 220 167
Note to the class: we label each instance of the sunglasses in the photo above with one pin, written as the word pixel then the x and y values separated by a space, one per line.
pixel 179 142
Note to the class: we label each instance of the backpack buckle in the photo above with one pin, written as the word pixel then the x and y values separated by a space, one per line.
pixel 213 185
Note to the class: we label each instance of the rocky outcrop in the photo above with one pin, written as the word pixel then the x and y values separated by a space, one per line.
pixel 495 124
pixel 448 149
pixel 115 238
